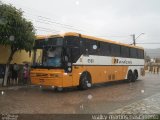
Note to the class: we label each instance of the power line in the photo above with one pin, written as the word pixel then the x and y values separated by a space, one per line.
pixel 46 20
pixel 59 24
pixel 134 38
pixel 46 29
pixel 149 43
pixel 152 53
pixel 114 36
pixel 51 21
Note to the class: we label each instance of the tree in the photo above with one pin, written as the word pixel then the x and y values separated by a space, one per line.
pixel 15 32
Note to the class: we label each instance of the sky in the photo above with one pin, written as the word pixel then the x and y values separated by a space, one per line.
pixel 115 20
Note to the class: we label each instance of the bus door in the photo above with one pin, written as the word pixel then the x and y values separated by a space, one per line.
pixel 68 77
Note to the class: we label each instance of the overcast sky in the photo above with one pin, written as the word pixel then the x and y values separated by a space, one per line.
pixel 111 19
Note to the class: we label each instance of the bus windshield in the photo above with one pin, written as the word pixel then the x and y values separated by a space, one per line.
pixel 49 57
pixel 48 53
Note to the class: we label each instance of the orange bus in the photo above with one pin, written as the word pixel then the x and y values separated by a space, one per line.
pixel 74 59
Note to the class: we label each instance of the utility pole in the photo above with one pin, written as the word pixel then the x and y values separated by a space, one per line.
pixel 134 38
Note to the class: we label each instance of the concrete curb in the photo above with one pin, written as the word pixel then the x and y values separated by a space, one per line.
pixel 150 105
pixel 15 87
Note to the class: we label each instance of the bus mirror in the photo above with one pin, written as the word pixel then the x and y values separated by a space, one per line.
pixel 94 47
pixel 66 58
pixel 69 64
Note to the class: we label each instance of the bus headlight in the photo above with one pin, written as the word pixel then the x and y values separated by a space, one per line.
pixel 69 64
pixel 65 73
pixel 69 69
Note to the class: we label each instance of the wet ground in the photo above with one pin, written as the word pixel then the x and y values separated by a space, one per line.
pixel 118 97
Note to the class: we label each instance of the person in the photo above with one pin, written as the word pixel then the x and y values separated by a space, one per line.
pixel 53 57
pixel 25 74
pixel 2 73
pixel 51 53
pixel 10 78
pixel 150 71
pixel 158 70
pixel 20 75
pixel 154 70
pixel 15 74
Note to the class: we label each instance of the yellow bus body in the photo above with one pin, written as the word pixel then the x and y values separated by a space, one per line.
pixel 99 73
pixel 58 78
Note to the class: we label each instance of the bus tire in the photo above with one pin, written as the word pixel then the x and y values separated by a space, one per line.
pixel 129 76
pixel 85 81
pixel 135 76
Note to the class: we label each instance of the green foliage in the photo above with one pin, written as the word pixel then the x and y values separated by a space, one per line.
pixel 15 30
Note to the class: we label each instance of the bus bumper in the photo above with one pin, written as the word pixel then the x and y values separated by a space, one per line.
pixel 47 78
pixel 54 77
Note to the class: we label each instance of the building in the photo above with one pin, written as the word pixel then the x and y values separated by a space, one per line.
pixel 20 57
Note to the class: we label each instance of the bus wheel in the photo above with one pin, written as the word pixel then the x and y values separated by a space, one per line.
pixel 85 81
pixel 129 76
pixel 135 76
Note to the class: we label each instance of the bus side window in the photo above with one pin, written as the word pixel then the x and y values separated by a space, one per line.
pixel 115 50
pixel 140 54
pixel 133 53
pixel 75 54
pixel 73 45
pixel 83 46
pixel 104 49
pixel 72 41
pixel 92 47
pixel 124 51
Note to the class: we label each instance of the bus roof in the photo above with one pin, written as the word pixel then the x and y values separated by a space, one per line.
pixel 100 39
pixel 41 37
pixel 86 36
